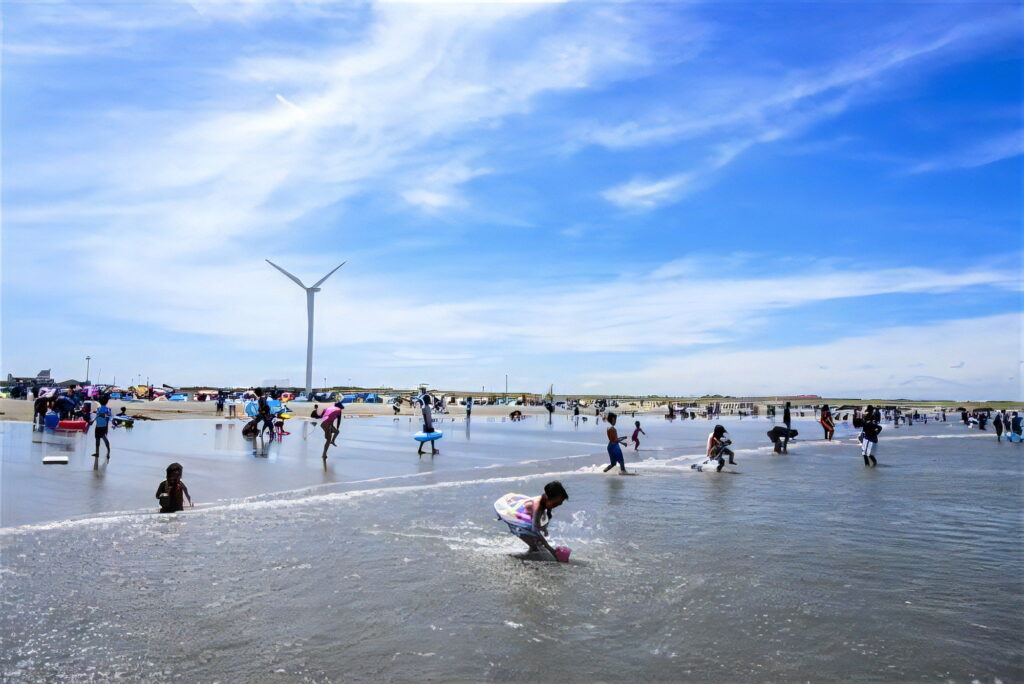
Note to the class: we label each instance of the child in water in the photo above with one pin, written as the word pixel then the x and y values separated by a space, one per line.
pixel 540 508
pixel 171 491
pixel 636 435
pixel 614 448
pixel 104 416
pixel 868 441
pixel 330 422
pixel 718 447
pixel 828 424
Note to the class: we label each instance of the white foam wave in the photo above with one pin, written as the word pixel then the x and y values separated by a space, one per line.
pixel 248 505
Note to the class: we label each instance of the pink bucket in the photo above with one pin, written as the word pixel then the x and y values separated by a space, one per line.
pixel 562 553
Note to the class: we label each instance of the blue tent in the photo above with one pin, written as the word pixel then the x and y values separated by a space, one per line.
pixel 371 398
pixel 348 398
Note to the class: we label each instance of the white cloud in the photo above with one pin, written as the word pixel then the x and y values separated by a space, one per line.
pixel 868 363
pixel 438 189
pixel 428 199
pixel 641 193
pixel 675 307
pixel 188 191
pixel 1006 146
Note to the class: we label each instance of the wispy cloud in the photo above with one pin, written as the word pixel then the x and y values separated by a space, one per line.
pixel 644 193
pixel 195 185
pixel 996 149
pixel 773 108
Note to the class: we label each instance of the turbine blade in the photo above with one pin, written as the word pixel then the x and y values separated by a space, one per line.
pixel 294 279
pixel 320 282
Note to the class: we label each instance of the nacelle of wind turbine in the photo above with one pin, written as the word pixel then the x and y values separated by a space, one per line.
pixel 310 291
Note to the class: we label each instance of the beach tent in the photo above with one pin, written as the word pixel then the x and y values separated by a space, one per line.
pixel 348 398
pixel 371 398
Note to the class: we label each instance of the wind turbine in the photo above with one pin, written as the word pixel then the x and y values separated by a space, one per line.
pixel 310 292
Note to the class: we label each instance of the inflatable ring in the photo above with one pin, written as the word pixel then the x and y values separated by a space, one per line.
pixel 428 436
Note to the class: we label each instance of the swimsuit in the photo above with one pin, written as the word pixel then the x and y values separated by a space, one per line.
pixel 329 415
pixel 615 455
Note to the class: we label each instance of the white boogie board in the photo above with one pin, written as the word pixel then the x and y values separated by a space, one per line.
pixel 55 460
pixel 709 465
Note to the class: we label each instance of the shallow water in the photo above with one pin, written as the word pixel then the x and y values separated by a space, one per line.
pixel 806 566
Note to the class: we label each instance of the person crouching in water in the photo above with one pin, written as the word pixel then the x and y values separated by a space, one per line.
pixel 540 508
pixel 614 446
pixel 869 441
pixel 778 435
pixel 718 447
pixel 172 492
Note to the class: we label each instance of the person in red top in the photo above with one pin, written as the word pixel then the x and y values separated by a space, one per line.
pixel 827 422
pixel 636 435
pixel 330 421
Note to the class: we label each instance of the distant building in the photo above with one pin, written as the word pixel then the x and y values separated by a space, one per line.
pixel 41 378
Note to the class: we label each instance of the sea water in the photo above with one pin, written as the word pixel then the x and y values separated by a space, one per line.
pixel 388 566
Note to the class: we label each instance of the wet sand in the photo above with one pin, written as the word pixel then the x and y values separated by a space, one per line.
pixel 799 567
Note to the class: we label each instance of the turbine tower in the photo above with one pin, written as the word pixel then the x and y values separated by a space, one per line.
pixel 310 292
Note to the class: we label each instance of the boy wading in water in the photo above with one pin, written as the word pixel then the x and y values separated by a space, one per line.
pixel 103 418
pixel 869 440
pixel 428 424
pixel 172 492
pixel 614 446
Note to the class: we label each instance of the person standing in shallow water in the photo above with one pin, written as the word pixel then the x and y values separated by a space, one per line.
pixel 428 423
pixel 997 425
pixel 615 446
pixel 104 416
pixel 827 422
pixel 787 420
pixel 869 439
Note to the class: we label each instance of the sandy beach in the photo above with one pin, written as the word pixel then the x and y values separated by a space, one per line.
pixel 17 410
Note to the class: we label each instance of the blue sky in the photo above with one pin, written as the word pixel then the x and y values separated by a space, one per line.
pixel 745 198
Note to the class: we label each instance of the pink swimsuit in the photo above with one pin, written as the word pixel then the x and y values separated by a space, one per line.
pixel 329 415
